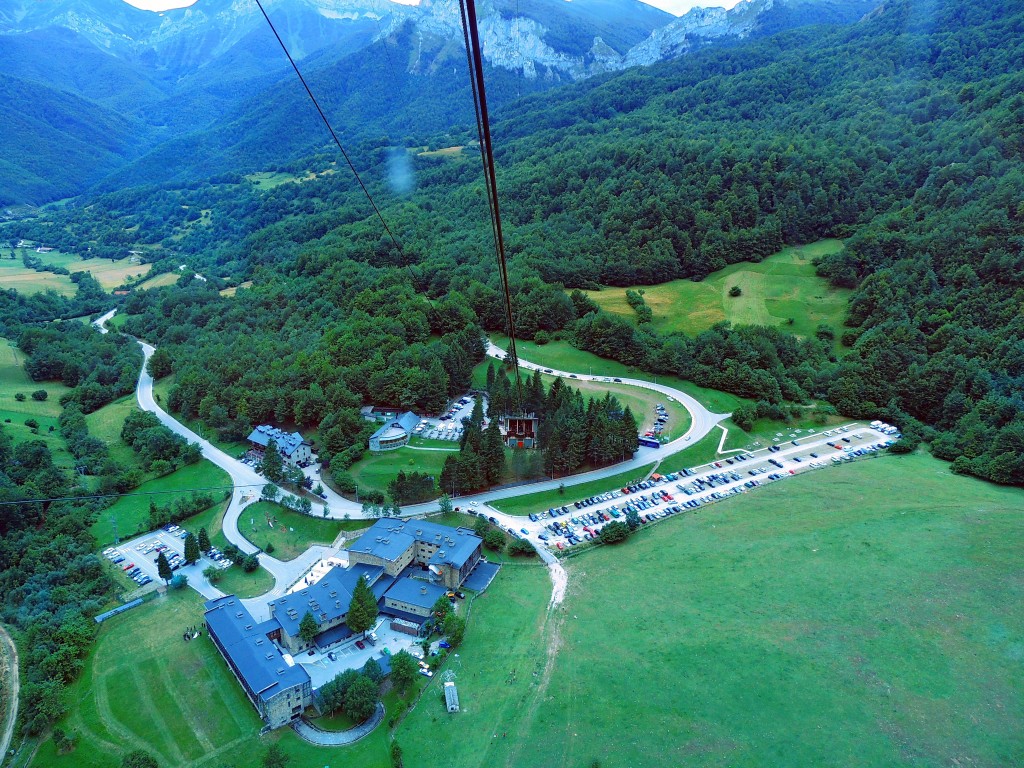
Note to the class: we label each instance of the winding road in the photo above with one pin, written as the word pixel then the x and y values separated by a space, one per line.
pixel 248 483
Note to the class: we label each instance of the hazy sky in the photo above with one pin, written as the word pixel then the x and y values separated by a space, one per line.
pixel 677 7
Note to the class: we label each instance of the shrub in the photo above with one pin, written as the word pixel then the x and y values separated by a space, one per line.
pixel 735 291
pixel 495 540
pixel 521 547
pixel 20 397
pixel 31 423
pixel 40 395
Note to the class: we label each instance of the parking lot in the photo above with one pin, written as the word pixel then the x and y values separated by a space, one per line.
pixel 142 553
pixel 448 426
pixel 738 472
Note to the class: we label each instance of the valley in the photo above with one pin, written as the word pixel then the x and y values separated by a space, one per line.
pixel 749 495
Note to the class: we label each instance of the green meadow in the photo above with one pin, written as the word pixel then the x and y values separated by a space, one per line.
pixel 783 290
pixel 863 625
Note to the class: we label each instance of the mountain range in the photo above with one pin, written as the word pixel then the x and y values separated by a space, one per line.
pixel 159 89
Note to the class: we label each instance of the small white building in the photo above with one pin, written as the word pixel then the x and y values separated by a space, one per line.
pixel 451 697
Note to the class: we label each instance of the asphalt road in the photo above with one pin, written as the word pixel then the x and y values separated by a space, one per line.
pixel 248 483
pixel 11 654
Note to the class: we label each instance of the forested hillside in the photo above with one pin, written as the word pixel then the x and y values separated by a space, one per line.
pixel 902 133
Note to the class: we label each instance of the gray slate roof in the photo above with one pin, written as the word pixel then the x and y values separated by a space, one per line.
pixel 331 596
pixel 411 591
pixel 389 538
pixel 287 443
pixel 406 421
pixel 256 658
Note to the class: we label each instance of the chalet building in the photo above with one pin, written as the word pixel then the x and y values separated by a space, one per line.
pixel 394 433
pixel 449 554
pixel 292 447
pixel 278 688
pixel 520 431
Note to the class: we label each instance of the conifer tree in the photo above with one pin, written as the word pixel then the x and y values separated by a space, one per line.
pixel 191 549
pixel 204 540
pixel 273 465
pixel 362 611
pixel 492 454
pixel 163 568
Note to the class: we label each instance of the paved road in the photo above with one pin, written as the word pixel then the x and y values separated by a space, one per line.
pixel 306 730
pixel 285 573
pixel 248 483
pixel 11 653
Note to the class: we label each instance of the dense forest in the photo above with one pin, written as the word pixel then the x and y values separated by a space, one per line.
pixel 901 134
pixel 51 581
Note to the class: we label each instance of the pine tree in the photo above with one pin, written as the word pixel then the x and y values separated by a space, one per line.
pixel 471 476
pixel 449 481
pixel 191 549
pixel 492 454
pixel 308 628
pixel 476 418
pixel 362 611
pixel 163 568
pixel 204 541
pixel 273 465
pixel 490 376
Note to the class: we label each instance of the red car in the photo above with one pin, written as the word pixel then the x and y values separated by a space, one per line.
pixel 129 566
pixel 360 644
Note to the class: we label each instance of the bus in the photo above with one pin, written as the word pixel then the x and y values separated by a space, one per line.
pixel 649 442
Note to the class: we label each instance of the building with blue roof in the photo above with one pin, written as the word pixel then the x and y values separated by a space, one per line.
pixel 327 602
pixel 279 689
pixel 449 554
pixel 291 445
pixel 394 433
pixel 413 596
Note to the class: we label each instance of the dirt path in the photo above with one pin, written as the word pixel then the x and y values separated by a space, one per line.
pixel 551 632
pixel 9 657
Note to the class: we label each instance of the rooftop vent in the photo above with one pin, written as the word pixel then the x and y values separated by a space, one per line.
pixel 270 656
pixel 334 594
pixel 259 642
pixel 248 627
pixel 239 615
pixel 337 603
pixel 419 532
pixel 386 541
pixel 441 553
pixel 280 671
pixel 423 590
pixel 437 537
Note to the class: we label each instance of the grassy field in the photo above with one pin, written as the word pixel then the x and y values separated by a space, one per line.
pixel 869 628
pixel 234 289
pixel 131 694
pixel 564 356
pixel 782 287
pixel 375 470
pixel 144 688
pixel 160 281
pixel 291 534
pixel 872 628
pixel 132 512
pixel 14 274
pixel 106 424
pixel 533 502
pixel 110 274
pixel 13 413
